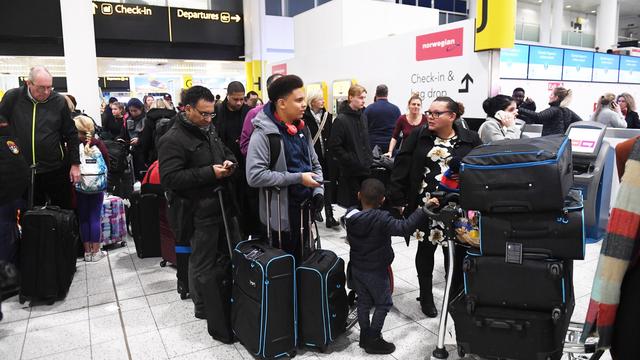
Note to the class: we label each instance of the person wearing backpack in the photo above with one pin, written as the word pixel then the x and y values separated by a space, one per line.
pixel 94 160
pixel 159 119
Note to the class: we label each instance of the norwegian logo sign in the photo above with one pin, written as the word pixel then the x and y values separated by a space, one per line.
pixel 439 45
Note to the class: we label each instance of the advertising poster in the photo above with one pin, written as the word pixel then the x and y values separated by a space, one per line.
pixel 630 69
pixel 578 65
pixel 545 63
pixel 514 62
pixel 605 67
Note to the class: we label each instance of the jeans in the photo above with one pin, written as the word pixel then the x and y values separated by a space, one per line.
pixel 373 290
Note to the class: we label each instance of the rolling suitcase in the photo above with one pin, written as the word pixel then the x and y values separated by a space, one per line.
pixel 263 312
pixel 167 239
pixel 558 234
pixel 490 281
pixel 112 222
pixel 522 175
pixel 322 298
pixel 216 288
pixel 47 253
pixel 500 333
pixel 144 218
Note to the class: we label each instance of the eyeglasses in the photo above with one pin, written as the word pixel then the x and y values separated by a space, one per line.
pixel 436 114
pixel 205 114
pixel 43 88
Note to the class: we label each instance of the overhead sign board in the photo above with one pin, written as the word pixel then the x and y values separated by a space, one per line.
pixel 115 21
pixel 514 62
pixel 630 69
pixel 545 63
pixel 605 67
pixel 578 65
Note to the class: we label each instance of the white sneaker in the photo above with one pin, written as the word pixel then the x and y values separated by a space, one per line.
pixel 98 256
pixel 87 257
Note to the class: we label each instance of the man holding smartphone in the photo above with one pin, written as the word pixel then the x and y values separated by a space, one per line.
pixel 193 163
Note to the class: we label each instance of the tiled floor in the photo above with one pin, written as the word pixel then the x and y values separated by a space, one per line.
pixel 124 307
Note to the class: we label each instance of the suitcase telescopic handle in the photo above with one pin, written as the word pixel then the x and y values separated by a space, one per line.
pixel 227 233
pixel 530 234
pixel 268 193
pixel 508 206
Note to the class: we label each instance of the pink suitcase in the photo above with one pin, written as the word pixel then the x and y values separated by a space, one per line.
pixel 113 222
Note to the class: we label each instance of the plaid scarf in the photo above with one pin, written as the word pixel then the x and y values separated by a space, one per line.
pixel 616 254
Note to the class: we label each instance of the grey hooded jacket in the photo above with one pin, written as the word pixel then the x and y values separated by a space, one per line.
pixel 260 176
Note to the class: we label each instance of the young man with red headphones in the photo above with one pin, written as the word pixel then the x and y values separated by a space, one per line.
pixel 296 171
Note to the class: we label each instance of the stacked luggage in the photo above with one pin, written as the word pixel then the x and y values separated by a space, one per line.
pixel 518 295
pixel 277 306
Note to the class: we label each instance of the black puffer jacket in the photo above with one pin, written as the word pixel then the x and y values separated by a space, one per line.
pixel 410 163
pixel 186 155
pixel 555 120
pixel 148 135
pixel 369 234
pixel 349 142
pixel 54 128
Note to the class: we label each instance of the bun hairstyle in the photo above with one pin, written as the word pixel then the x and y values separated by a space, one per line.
pixel 452 105
pixel 494 104
pixel 85 124
pixel 604 101
pixel 564 95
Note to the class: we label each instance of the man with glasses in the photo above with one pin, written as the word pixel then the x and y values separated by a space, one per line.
pixel 193 163
pixel 41 121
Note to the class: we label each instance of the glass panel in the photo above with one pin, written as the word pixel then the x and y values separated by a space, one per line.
pixel 424 3
pixel 443 18
pixel 295 7
pixel 588 40
pixel 444 5
pixel 461 6
pixel 273 7
pixel 320 2
pixel 409 2
pixel 456 17
pixel 530 32
pixel 519 31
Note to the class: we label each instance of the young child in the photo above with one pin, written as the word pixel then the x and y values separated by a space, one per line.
pixel 369 233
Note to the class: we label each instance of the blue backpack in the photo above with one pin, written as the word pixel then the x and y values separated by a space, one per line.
pixel 93 171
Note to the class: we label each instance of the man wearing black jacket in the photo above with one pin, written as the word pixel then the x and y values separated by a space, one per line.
pixel 229 118
pixel 41 120
pixel 349 144
pixel 193 163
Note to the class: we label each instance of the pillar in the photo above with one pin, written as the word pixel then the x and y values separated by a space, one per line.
pixel 254 12
pixel 80 55
pixel 607 25
pixel 557 26
pixel 545 24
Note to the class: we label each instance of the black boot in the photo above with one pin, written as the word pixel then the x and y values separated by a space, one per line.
pixel 377 345
pixel 331 222
pixel 427 304
pixel 364 333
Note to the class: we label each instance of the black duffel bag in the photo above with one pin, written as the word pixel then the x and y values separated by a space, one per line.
pixel 558 234
pixel 522 175
pixel 118 151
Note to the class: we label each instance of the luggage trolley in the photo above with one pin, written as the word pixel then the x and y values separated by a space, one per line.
pixel 448 215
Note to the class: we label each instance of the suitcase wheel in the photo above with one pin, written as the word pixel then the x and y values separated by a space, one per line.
pixel 555 270
pixel 123 244
pixel 556 314
pixel 323 348
pixel 22 299
pixel 163 263
pixel 471 307
pixel 461 352
pixel 467 265
pixel 183 295
pixel 293 354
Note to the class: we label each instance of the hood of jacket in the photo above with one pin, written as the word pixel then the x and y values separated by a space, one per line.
pixel 344 108
pixel 265 120
pixel 156 113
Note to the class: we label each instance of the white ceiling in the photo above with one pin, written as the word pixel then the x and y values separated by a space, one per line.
pixel 627 7
pixel 19 65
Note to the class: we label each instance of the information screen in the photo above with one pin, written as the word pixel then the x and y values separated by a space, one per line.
pixel 605 67
pixel 630 69
pixel 514 62
pixel 578 65
pixel 545 63
pixel 584 140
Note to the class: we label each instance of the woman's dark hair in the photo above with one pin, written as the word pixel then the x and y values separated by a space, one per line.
pixel 452 105
pixel 197 93
pixel 282 87
pixel 494 104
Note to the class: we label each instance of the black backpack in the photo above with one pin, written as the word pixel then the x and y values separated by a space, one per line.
pixel 14 170
pixel 118 151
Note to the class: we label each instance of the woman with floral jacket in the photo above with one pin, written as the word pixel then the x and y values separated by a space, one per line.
pixel 418 168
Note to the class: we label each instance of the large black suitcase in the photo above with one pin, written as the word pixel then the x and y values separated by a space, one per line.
pixel 558 234
pixel 144 220
pixel 522 175
pixel 544 285
pixel 263 313
pixel 501 333
pixel 47 253
pixel 322 299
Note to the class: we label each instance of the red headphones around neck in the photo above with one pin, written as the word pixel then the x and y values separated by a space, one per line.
pixel 294 127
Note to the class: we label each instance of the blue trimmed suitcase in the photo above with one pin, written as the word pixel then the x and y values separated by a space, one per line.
pixel 263 310
pixel 523 175
pixel 559 234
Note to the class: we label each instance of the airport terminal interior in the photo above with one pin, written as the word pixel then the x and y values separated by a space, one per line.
pixel 248 179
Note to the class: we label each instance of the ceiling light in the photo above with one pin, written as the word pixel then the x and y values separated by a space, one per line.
pixel 568 6
pixel 593 11
pixel 142 60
